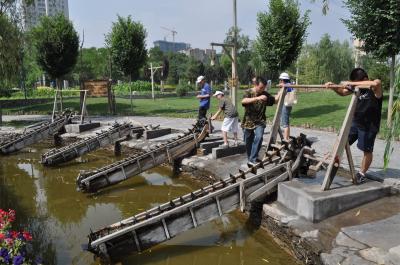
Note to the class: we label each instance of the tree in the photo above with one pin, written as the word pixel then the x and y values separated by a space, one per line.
pixel 56 43
pixel 127 44
pixel 94 64
pixel 10 51
pixel 194 68
pixel 156 55
pixel 325 61
pixel 377 24
pixel 244 53
pixel 281 34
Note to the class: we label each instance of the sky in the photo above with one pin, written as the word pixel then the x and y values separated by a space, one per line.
pixel 198 22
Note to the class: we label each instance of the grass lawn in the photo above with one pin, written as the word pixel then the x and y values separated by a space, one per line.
pixel 323 109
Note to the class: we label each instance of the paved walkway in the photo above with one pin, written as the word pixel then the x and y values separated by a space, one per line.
pixel 324 140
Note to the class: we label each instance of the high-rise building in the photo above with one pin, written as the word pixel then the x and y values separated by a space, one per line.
pixel 167 46
pixel 33 12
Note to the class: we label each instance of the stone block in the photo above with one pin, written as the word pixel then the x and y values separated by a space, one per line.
pixel 394 184
pixel 344 240
pixel 78 128
pixel 223 152
pixel 393 257
pixel 374 254
pixel 331 259
pixel 208 146
pixel 151 134
pixel 308 201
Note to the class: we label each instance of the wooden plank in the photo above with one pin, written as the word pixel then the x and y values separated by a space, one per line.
pixel 136 164
pixel 342 140
pixel 267 187
pixel 277 120
pixel 135 237
pixel 197 203
pixel 166 229
pixel 193 217
pixel 351 163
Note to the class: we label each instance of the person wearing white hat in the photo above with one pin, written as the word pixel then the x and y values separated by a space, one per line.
pixel 284 78
pixel 204 97
pixel 231 120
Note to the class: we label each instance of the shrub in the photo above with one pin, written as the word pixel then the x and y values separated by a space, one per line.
pixel 139 86
pixel 183 89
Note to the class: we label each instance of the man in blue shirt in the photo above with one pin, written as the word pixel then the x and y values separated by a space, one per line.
pixel 204 97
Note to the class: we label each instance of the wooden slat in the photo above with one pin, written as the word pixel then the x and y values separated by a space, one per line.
pixel 277 120
pixel 182 208
pixel 351 163
pixel 342 140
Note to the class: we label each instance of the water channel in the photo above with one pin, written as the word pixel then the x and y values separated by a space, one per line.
pixel 48 205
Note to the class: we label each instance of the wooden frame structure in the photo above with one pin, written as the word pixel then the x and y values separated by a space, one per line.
pixel 83 104
pixel 342 141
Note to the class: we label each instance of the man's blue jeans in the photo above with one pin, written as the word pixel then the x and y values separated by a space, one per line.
pixel 253 139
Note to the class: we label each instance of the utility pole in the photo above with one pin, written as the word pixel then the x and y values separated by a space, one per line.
pixel 46 3
pixel 235 79
pixel 153 70
pixel 232 56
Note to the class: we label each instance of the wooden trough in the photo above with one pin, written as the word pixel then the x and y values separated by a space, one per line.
pixel 121 170
pixel 167 220
pixel 77 149
pixel 34 135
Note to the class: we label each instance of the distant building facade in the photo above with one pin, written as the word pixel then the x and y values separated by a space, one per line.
pixel 33 12
pixel 167 46
pixel 200 54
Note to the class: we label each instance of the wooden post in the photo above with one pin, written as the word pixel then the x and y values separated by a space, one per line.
pixel 277 119
pixel 54 106
pixel 341 142
pixel 351 163
pixel 1 114
pixel 83 110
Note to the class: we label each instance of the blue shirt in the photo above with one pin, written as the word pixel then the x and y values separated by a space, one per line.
pixel 205 102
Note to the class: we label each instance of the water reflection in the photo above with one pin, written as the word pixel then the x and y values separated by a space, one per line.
pixel 47 202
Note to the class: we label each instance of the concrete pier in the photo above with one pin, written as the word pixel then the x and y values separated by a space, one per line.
pixel 304 196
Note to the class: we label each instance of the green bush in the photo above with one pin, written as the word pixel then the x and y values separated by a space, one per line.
pixel 138 86
pixel 40 92
pixel 183 89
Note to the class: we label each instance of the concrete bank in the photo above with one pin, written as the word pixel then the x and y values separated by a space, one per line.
pixel 363 229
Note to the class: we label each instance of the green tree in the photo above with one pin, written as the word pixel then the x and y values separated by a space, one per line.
pixel 377 24
pixel 377 69
pixel 281 33
pixel 194 68
pixel 56 43
pixel 94 64
pixel 156 55
pixel 127 44
pixel 244 53
pixel 325 61
pixel 10 52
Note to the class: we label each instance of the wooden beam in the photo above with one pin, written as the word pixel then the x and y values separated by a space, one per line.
pixel 341 142
pixel 277 120
pixel 351 163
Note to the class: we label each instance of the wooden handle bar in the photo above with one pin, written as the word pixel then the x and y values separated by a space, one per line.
pixel 318 86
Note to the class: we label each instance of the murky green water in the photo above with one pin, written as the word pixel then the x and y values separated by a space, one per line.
pixel 60 218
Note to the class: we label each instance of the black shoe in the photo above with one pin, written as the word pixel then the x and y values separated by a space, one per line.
pixel 360 178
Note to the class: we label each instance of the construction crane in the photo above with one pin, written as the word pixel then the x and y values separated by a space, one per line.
pixel 173 31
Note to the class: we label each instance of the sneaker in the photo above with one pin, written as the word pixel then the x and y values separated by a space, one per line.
pixel 251 164
pixel 224 146
pixel 235 143
pixel 360 178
